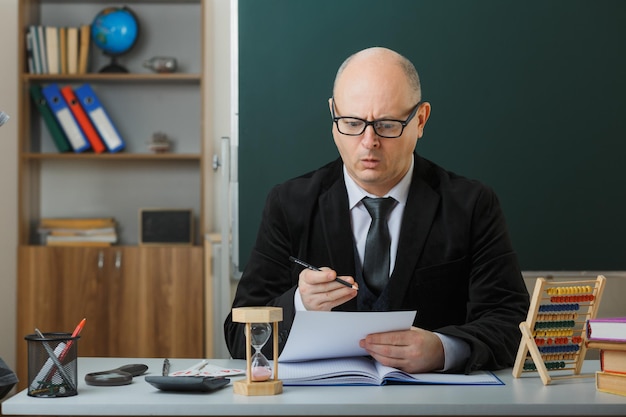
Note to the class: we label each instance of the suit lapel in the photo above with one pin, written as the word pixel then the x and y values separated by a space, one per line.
pixel 421 207
pixel 335 217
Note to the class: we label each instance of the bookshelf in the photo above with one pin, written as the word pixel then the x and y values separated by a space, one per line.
pixel 52 184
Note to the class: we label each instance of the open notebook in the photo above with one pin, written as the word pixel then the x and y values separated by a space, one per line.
pixel 366 371
pixel 323 349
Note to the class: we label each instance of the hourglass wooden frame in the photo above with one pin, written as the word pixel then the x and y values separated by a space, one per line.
pixel 554 333
pixel 249 315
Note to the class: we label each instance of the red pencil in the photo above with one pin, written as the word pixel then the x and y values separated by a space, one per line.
pixel 76 332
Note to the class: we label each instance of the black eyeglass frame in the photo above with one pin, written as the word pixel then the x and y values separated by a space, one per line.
pixel 372 123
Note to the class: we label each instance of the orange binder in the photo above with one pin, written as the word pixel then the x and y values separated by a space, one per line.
pixel 83 120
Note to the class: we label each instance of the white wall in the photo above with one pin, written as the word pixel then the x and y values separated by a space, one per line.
pixel 218 29
pixel 218 59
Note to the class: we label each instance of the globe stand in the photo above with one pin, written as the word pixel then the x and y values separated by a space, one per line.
pixel 113 66
pixel 115 31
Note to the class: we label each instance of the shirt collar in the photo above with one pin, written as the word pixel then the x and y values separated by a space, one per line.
pixel 399 192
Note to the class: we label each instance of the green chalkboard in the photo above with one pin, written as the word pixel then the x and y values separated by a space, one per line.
pixel 527 96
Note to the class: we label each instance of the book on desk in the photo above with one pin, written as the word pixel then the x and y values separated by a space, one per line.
pixel 606 329
pixel 611 377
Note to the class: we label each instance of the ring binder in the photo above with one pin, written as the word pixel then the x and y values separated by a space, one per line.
pixel 100 118
pixel 62 112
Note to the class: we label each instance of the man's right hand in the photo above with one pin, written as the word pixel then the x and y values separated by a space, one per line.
pixel 320 292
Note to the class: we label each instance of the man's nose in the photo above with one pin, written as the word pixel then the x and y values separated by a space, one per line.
pixel 370 138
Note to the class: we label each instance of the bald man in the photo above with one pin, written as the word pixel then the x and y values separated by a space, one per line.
pixel 449 254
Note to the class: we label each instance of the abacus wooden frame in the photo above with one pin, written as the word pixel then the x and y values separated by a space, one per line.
pixel 528 344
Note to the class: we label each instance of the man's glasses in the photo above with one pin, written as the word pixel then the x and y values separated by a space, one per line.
pixel 385 128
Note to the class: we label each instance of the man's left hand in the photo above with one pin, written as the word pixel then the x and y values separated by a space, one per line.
pixel 415 350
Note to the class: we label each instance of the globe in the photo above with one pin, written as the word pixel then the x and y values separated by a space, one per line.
pixel 115 30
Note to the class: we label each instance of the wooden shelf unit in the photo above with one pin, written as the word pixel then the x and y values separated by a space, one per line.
pixel 138 301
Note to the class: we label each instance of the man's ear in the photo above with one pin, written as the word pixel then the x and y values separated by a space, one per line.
pixel 423 113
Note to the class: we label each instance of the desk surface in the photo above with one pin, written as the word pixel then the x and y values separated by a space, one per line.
pixel 523 396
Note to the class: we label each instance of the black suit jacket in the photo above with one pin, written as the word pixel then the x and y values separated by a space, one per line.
pixel 455 264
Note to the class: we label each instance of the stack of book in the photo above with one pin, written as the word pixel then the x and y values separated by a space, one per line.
pixel 99 231
pixel 58 50
pixel 609 336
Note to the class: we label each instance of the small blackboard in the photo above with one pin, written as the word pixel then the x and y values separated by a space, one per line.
pixel 166 226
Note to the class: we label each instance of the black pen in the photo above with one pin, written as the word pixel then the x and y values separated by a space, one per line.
pixel 166 367
pixel 314 268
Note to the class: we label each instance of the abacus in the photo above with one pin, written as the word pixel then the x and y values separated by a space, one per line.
pixel 553 335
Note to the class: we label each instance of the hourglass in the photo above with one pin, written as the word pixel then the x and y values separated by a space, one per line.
pixel 259 335
pixel 259 380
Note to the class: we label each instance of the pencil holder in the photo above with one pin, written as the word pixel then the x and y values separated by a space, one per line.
pixel 52 365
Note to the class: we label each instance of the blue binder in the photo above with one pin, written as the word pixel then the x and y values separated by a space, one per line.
pixel 63 114
pixel 100 118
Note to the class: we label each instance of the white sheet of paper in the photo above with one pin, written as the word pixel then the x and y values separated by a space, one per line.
pixel 336 334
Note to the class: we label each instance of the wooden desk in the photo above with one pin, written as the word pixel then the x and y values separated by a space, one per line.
pixel 523 396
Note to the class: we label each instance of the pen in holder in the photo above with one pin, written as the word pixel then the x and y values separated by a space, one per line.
pixel 52 370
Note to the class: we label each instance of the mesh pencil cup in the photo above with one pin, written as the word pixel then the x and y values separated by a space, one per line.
pixel 52 365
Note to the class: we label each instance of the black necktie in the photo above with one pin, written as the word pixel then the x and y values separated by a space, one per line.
pixel 376 257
